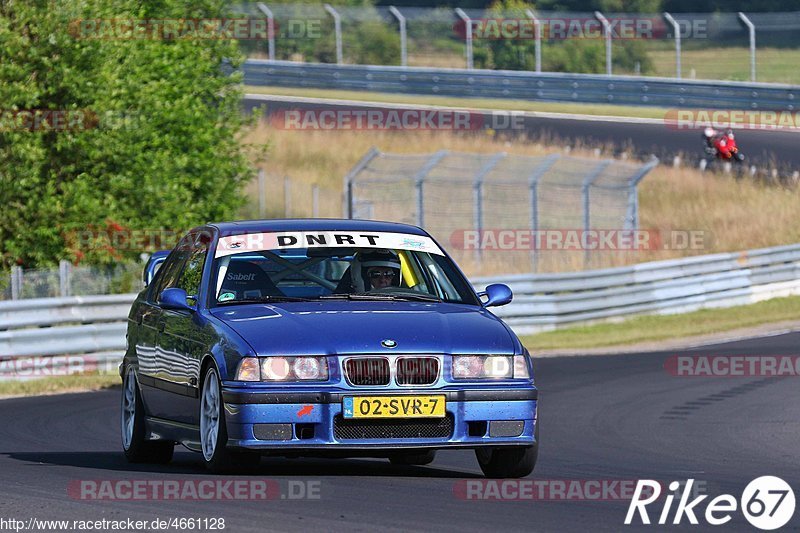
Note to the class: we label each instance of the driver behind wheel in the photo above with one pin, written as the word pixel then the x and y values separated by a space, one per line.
pixel 375 269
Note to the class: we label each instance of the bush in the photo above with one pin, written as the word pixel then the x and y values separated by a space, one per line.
pixel 157 148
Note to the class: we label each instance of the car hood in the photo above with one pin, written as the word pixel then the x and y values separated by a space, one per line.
pixel 347 327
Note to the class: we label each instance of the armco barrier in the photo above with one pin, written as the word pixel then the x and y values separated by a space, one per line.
pixel 548 301
pixel 56 326
pixel 518 85
pixel 33 331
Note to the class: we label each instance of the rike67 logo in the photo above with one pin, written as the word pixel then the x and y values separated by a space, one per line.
pixel 767 502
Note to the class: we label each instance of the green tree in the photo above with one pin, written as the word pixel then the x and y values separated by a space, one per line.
pixel 157 148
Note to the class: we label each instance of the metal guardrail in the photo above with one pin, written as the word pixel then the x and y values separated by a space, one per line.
pixel 39 329
pixel 35 332
pixel 544 86
pixel 548 301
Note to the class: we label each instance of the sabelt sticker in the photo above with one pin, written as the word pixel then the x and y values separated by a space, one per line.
pixel 254 242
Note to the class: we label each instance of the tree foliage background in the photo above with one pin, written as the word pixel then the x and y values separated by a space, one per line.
pixel 163 151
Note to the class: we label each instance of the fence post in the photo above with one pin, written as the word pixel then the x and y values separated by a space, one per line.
pixel 315 201
pixel 262 193
pixel 537 36
pixel 419 182
pixel 677 29
pixel 587 220
pixel 348 179
pixel 632 220
pixel 477 197
pixel 337 26
pixel 401 20
pixel 533 184
pixel 64 275
pixel 16 282
pixel 607 34
pixel 752 29
pixel 287 196
pixel 468 33
pixel 270 29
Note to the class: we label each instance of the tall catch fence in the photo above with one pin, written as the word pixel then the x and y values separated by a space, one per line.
pixel 742 46
pixel 489 210
pixel 70 280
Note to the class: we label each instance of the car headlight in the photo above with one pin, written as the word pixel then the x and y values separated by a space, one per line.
pixel 490 367
pixel 279 368
pixel 294 369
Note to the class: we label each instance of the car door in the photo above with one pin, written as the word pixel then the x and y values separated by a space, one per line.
pixel 154 368
pixel 185 335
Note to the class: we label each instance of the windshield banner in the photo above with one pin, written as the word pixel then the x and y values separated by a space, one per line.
pixel 256 242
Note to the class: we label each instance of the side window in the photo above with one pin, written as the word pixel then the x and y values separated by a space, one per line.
pixel 193 270
pixel 168 273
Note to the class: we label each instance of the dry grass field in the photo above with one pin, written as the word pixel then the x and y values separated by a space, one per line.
pixel 732 214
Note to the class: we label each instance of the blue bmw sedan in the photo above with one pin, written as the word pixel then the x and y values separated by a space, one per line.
pixel 322 337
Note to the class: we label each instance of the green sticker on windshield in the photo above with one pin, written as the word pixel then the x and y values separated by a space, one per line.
pixel 225 296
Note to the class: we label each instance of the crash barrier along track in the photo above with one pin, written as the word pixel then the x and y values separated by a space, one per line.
pixel 519 85
pixel 49 327
pixel 34 331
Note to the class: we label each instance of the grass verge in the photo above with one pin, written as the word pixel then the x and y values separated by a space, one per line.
pixel 58 384
pixel 774 65
pixel 663 327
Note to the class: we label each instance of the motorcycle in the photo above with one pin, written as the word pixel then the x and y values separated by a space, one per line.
pixel 728 140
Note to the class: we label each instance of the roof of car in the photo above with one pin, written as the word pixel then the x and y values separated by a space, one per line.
pixel 313 224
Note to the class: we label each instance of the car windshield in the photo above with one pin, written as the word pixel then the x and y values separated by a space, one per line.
pixel 326 272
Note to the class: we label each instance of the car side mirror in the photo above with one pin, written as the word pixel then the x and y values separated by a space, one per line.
pixel 497 294
pixel 175 299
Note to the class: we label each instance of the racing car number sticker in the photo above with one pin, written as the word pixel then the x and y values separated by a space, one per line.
pixel 252 242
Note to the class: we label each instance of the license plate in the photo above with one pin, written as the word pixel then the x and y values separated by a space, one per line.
pixel 394 406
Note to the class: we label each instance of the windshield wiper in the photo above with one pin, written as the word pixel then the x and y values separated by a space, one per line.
pixel 366 296
pixel 266 299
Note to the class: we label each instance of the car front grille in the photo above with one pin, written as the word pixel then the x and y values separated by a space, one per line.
pixel 367 371
pixel 417 428
pixel 417 370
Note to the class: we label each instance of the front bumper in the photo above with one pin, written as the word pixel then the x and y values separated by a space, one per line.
pixel 307 419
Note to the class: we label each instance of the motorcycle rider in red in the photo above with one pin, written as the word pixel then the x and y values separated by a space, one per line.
pixel 719 144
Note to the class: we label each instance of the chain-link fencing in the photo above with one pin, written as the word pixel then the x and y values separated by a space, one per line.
pixel 70 280
pixel 724 46
pixel 525 212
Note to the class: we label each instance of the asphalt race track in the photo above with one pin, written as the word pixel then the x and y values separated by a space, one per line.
pixel 603 418
pixel 764 149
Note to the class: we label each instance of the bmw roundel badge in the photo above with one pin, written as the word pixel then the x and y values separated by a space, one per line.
pixel 388 343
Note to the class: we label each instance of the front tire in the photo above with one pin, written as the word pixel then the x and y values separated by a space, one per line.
pixel 418 458
pixel 510 461
pixel 507 462
pixel 214 433
pixel 134 442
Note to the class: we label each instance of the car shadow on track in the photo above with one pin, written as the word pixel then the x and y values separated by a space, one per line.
pixel 191 464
